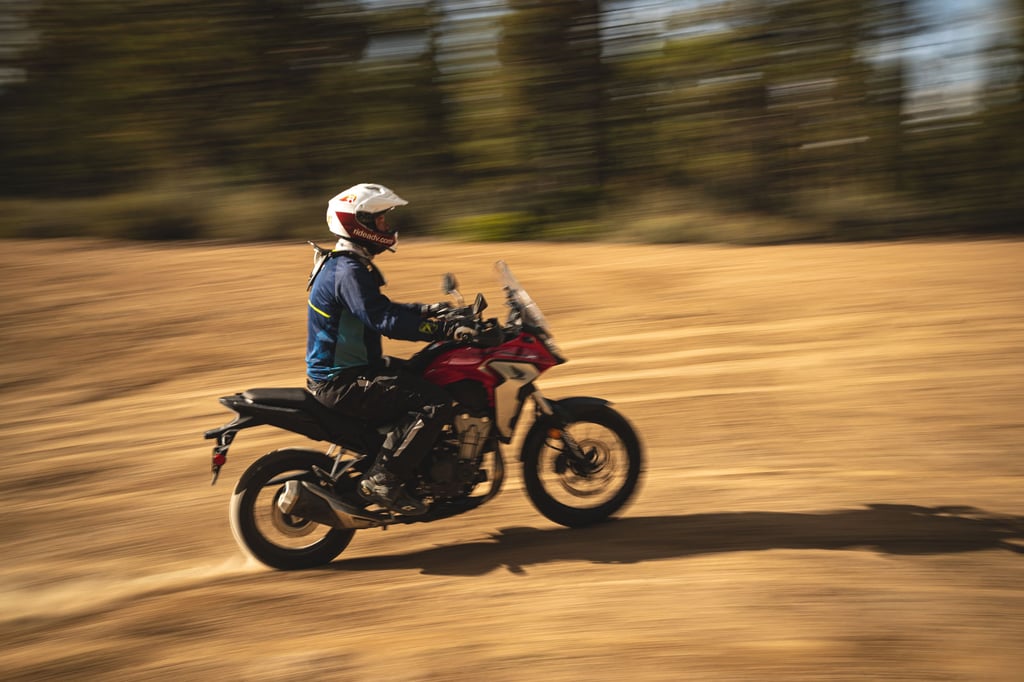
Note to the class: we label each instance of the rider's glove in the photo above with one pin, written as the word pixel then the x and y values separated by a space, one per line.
pixel 455 328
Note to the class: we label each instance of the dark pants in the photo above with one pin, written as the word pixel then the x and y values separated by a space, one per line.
pixel 414 409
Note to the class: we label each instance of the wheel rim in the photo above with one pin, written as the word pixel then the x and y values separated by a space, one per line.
pixel 592 482
pixel 286 524
pixel 283 530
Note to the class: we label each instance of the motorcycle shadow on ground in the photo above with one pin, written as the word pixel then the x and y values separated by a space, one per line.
pixel 887 528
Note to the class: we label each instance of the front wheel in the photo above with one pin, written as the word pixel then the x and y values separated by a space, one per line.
pixel 277 539
pixel 586 470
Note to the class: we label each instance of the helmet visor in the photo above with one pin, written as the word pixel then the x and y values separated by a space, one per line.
pixel 381 224
pixel 378 222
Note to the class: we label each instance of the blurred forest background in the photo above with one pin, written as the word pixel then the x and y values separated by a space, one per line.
pixel 748 121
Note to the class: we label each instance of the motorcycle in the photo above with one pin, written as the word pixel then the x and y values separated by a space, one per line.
pixel 299 508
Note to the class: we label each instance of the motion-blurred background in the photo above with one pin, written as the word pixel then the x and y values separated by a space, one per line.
pixel 651 120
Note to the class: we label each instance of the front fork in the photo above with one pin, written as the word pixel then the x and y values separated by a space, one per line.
pixel 582 462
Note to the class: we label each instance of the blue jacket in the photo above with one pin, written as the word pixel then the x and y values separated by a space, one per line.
pixel 348 314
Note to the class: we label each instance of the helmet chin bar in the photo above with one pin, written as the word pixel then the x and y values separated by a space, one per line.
pixel 371 240
pixel 361 248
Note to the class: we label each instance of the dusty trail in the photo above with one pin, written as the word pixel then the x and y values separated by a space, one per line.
pixel 833 492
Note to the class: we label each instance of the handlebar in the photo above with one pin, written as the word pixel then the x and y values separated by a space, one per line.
pixel 471 328
pixel 467 323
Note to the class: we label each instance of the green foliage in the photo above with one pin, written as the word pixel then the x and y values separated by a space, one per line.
pixel 554 80
pixel 746 121
pixel 493 227
pixel 112 98
pixel 219 212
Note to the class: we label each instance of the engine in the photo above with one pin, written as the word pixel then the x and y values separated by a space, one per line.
pixel 454 467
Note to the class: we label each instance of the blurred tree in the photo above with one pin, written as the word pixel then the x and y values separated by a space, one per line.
pixel 752 99
pixel 483 130
pixel 991 195
pixel 961 151
pixel 112 97
pixel 888 25
pixel 555 82
pixel 382 116
pixel 536 111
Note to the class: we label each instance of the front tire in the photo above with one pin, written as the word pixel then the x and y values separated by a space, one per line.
pixel 276 539
pixel 579 492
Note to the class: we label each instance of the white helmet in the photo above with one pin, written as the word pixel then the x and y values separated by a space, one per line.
pixel 353 215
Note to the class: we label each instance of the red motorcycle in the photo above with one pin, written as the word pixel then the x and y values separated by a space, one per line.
pixel 299 508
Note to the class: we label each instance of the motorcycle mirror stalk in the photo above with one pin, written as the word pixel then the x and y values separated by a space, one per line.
pixel 450 286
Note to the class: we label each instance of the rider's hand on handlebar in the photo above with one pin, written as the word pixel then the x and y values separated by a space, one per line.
pixel 454 327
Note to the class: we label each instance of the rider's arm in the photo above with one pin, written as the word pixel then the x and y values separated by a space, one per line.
pixel 358 288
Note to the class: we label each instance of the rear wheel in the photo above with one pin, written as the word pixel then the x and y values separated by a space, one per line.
pixel 277 539
pixel 587 470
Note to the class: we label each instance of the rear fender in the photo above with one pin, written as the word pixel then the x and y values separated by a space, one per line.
pixel 280 479
pixel 237 424
pixel 254 413
pixel 248 414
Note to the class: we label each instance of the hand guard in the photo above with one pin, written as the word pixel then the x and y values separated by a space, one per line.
pixel 433 309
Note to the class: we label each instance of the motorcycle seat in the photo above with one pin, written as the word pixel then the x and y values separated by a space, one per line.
pixel 294 398
pixel 311 418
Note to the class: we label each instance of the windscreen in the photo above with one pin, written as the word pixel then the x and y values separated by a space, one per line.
pixel 531 313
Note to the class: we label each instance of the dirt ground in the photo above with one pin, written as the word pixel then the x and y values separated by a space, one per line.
pixel 833 484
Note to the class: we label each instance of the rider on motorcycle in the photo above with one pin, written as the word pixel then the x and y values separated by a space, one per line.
pixel 346 368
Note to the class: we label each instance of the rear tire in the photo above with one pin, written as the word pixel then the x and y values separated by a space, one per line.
pixel 574 495
pixel 276 539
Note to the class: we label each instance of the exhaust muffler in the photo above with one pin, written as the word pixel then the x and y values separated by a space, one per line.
pixel 308 501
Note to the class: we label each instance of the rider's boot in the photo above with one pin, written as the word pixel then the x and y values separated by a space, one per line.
pixel 382 487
